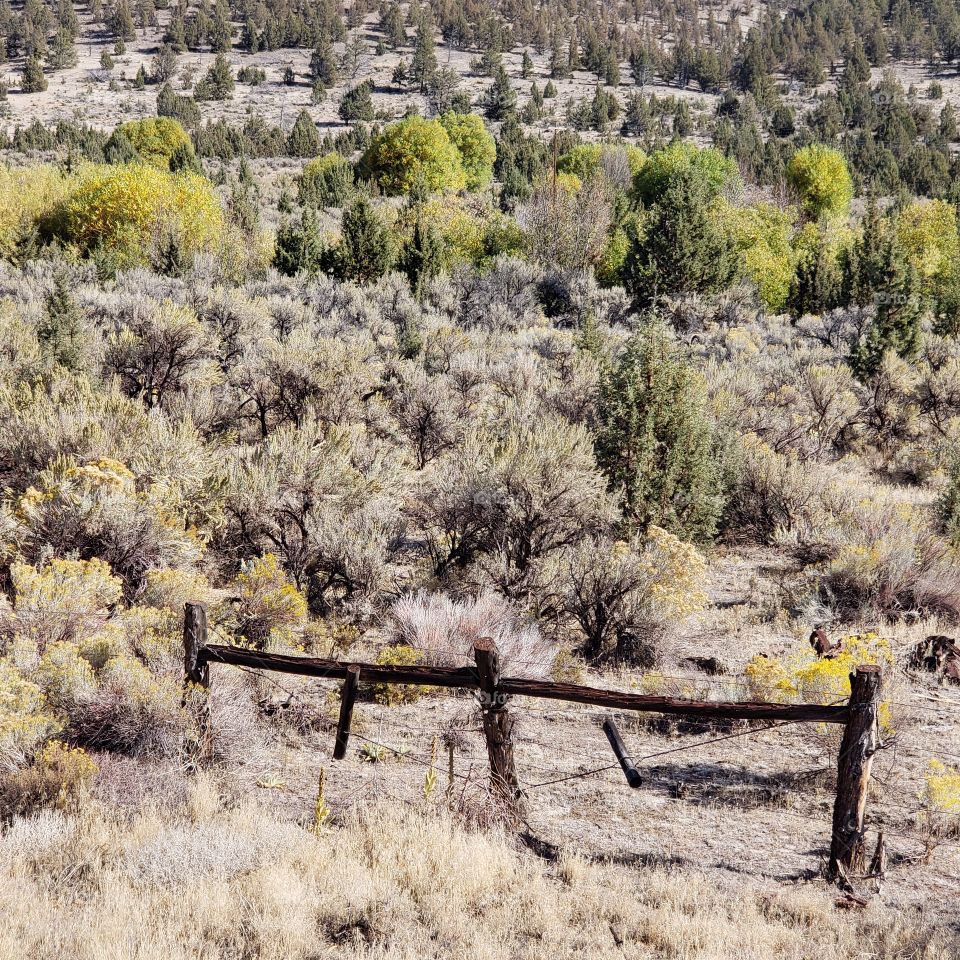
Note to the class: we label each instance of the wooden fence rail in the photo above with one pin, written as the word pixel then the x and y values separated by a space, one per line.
pixel 468 678
pixel 494 691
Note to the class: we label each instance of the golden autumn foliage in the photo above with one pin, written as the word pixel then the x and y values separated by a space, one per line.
pixel 129 206
pixel 821 179
pixel 411 151
pixel 26 194
pixel 156 139
pixel 125 209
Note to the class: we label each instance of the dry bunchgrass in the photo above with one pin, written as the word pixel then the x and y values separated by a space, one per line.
pixel 393 883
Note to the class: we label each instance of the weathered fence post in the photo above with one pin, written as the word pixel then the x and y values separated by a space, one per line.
pixel 196 672
pixel 860 742
pixel 629 768
pixel 347 697
pixel 497 724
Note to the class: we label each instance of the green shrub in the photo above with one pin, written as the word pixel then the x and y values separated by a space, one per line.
pixel 414 151
pixel 655 442
pixel 478 150
pixel 155 140
pixel 394 694
pixel 820 177
pixel 326 181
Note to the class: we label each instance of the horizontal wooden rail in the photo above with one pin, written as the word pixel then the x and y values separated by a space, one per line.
pixel 337 669
pixel 467 678
pixel 719 709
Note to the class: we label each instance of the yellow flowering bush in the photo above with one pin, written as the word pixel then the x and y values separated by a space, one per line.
pixel 25 720
pixel 270 610
pixel 75 585
pixel 67 679
pixel 768 679
pixel 170 589
pixel 59 777
pixel 941 791
pixel 393 694
pixel 806 678
pixel 96 508
pixel 676 571
pixel 153 634
pixel 889 561
pixel 63 599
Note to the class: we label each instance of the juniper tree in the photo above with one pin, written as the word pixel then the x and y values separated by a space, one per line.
pixel 33 79
pixel 423 257
pixel 299 247
pixel 356 104
pixel 304 140
pixel 681 246
pixel 424 62
pixel 366 249
pixel 654 440
pixel 896 326
pixel 323 63
pixel 60 330
pixel 218 83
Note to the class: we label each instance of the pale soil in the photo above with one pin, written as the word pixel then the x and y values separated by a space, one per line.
pixel 754 809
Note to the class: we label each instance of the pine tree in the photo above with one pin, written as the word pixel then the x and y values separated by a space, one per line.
pixel 682 247
pixel 423 256
pixel 654 440
pixel 250 40
pixel 526 66
pixel 366 251
pixel 500 100
pixel 304 140
pixel 559 61
pixel 33 79
pixel 424 63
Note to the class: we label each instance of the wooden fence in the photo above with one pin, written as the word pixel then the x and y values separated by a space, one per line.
pixel 494 692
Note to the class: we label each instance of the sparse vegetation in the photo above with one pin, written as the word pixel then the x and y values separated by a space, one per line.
pixel 625 336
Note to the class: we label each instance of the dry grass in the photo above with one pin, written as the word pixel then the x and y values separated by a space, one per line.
pixel 216 883
pixel 444 631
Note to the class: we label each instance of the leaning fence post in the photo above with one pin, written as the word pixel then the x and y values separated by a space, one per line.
pixel 497 723
pixel 347 698
pixel 860 741
pixel 196 673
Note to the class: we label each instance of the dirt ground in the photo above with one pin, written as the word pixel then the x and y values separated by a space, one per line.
pixel 732 800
